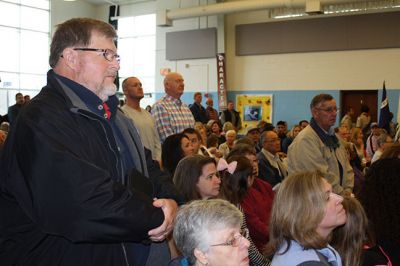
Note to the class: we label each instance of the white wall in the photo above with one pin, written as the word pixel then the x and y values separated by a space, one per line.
pixel 337 70
pixel 200 74
pixel 62 11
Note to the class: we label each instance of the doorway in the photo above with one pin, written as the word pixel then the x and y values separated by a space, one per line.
pixel 357 98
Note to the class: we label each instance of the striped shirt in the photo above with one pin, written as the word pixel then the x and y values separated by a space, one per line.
pixel 172 116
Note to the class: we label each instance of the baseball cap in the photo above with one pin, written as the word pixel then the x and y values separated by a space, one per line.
pixel 374 124
pixel 251 128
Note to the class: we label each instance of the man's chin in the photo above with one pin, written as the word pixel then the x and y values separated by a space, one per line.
pixel 108 91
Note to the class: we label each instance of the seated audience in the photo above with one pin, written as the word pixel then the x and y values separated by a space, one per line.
pixel 357 139
pixel 253 133
pixel 195 139
pixel 349 239
pixel 228 126
pixel 244 140
pixel 303 124
pixel 381 199
pixel 5 126
pixel 196 177
pixel 383 141
pixel 393 151
pixel 344 133
pixel 235 176
pixel 281 130
pixel 215 128
pixel 265 126
pixel 225 147
pixel 201 128
pixel 290 137
pixel 3 136
pixel 272 168
pixel 212 146
pixel 174 148
pixel 257 203
pixel 304 213
pixel 372 140
pixel 208 232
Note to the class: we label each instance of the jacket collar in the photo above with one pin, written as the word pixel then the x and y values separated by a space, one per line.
pixel 82 98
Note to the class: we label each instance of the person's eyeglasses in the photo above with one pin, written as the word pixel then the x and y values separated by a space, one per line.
pixel 108 54
pixel 236 240
pixel 329 110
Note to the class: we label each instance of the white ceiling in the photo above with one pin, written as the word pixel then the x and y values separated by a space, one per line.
pixel 119 2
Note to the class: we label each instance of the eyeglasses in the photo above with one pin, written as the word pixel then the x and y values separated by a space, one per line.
pixel 108 54
pixel 236 240
pixel 329 110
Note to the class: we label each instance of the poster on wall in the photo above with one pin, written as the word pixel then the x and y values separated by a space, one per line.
pixel 254 108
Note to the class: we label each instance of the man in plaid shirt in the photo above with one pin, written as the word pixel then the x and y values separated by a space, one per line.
pixel 170 113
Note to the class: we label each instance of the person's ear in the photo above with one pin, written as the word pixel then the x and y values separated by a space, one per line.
pixel 314 112
pixel 201 256
pixel 70 57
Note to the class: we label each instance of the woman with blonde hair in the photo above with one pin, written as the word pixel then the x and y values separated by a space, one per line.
pixel 357 139
pixel 304 213
pixel 290 137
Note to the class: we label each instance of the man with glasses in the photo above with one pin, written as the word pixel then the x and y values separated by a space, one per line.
pixel 271 168
pixel 318 148
pixel 77 187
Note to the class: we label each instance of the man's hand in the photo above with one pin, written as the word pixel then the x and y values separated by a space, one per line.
pixel 169 207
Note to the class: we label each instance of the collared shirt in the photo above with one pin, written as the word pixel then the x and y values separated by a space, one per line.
pixel 276 162
pixel 172 116
pixel 95 104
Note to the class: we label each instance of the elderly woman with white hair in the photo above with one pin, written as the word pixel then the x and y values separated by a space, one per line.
pixel 225 147
pixel 207 232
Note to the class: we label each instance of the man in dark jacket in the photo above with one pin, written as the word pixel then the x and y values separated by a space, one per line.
pixel 13 110
pixel 271 168
pixel 198 111
pixel 76 185
pixel 231 115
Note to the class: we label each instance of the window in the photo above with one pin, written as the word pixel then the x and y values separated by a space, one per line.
pixel 137 47
pixel 24 27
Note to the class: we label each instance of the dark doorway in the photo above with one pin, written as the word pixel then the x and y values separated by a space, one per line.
pixel 355 99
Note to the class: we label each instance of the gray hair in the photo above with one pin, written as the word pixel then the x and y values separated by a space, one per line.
pixel 382 139
pixel 320 98
pixel 197 221
pixel 264 137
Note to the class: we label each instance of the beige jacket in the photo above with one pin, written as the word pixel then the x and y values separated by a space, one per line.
pixel 309 153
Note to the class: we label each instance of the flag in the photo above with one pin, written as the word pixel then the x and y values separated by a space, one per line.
pixel 384 116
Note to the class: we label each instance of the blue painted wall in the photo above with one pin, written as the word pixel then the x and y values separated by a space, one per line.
pixel 293 106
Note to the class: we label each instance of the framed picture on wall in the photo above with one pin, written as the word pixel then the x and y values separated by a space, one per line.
pixel 254 108
pixel 252 113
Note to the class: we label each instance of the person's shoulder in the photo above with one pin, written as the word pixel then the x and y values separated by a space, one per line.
pixel 296 255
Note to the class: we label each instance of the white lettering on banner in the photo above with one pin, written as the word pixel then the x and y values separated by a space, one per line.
pixel 221 81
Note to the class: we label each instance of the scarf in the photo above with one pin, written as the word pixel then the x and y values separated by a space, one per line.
pixel 331 141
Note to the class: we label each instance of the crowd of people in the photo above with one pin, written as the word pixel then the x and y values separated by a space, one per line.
pixel 86 182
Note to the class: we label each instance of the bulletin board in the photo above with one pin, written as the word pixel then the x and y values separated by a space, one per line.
pixel 254 108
